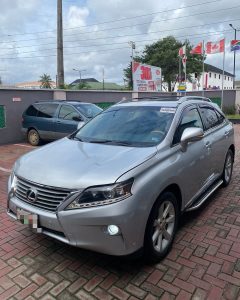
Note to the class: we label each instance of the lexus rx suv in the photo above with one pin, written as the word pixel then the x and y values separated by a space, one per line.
pixel 121 182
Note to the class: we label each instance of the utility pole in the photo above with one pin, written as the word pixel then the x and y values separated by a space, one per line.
pixel 60 64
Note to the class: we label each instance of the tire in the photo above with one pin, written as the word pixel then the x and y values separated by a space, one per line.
pixel 33 137
pixel 161 227
pixel 228 167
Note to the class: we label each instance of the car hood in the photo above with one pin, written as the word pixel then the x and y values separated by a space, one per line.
pixel 75 165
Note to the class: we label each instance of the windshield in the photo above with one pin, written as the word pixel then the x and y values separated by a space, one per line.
pixel 128 126
pixel 89 110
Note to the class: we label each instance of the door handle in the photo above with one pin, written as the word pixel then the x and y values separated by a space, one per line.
pixel 208 145
pixel 226 133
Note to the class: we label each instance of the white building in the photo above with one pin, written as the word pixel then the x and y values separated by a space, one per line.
pixel 212 80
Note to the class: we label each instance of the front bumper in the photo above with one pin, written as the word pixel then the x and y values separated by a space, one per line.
pixel 87 228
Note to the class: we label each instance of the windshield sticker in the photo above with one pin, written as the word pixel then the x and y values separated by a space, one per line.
pixel 169 110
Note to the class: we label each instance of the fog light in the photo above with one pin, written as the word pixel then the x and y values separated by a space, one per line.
pixel 113 230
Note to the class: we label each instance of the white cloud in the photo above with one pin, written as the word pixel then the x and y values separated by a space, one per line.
pixel 95 47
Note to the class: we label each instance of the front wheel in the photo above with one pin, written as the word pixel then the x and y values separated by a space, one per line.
pixel 228 167
pixel 161 227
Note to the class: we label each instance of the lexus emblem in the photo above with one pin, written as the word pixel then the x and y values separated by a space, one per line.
pixel 31 195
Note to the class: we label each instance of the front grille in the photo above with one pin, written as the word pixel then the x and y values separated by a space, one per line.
pixel 48 198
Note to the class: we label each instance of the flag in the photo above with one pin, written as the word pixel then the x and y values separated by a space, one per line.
pixel 198 49
pixel 235 45
pixel 217 47
pixel 184 62
pixel 182 51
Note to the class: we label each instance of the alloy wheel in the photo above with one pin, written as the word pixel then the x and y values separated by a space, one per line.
pixel 163 226
pixel 228 168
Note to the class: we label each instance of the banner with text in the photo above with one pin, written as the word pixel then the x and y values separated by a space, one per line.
pixel 146 78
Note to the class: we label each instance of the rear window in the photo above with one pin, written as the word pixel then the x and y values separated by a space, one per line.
pixel 46 110
pixel 41 110
pixel 31 111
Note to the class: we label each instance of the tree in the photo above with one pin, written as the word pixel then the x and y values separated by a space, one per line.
pixel 46 81
pixel 164 54
pixel 82 85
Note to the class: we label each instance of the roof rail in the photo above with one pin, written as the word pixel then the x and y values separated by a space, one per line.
pixel 197 98
pixel 156 98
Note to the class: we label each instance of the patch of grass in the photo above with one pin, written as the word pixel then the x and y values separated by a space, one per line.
pixel 235 117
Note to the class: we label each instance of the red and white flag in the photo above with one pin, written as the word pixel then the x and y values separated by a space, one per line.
pixel 198 49
pixel 217 47
pixel 182 51
pixel 184 62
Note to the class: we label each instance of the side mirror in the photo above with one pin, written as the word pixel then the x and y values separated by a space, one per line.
pixel 77 118
pixel 191 134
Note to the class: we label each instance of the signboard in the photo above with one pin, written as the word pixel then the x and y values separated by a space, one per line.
pixel 181 87
pixel 16 99
pixel 146 78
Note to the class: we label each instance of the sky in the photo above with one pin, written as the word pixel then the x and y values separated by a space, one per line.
pixel 97 34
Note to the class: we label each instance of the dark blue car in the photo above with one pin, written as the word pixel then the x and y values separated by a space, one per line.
pixel 55 119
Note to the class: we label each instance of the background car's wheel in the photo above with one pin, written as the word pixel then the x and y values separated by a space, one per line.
pixel 228 167
pixel 33 137
pixel 161 227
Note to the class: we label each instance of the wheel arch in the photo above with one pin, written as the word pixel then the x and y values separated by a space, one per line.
pixel 232 147
pixel 175 189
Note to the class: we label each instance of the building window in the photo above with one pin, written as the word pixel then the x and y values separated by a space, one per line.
pixel 219 76
pixel 210 74
pixel 228 78
pixel 209 86
pixel 225 77
pixel 215 75
pixel 2 117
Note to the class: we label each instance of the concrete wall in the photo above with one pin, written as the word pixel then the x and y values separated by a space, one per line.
pixel 12 132
pixel 13 111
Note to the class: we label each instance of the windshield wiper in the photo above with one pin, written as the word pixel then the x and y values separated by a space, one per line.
pixel 120 143
pixel 75 138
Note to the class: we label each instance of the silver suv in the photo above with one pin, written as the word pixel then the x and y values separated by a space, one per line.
pixel 121 182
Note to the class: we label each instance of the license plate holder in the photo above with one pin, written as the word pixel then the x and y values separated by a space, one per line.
pixel 28 218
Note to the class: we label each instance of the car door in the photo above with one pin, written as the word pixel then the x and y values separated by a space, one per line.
pixel 45 119
pixel 215 134
pixel 65 123
pixel 193 168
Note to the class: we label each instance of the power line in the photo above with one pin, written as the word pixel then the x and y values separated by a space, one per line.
pixel 112 49
pixel 101 45
pixel 118 20
pixel 126 26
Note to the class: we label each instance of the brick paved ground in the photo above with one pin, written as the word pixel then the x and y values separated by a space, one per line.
pixel 203 264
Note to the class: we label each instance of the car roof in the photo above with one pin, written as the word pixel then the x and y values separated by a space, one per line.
pixel 170 101
pixel 73 102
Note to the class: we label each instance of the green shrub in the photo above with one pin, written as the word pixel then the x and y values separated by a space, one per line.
pixel 229 110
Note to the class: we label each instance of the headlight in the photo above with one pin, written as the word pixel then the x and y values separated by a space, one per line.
pixel 102 195
pixel 13 182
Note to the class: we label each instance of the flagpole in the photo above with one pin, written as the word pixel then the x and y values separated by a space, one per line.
pixel 203 68
pixel 223 75
pixel 179 72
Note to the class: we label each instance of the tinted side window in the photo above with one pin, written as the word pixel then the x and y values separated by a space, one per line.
pixel 67 112
pixel 31 111
pixel 190 118
pixel 46 110
pixel 210 117
pixel 221 118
